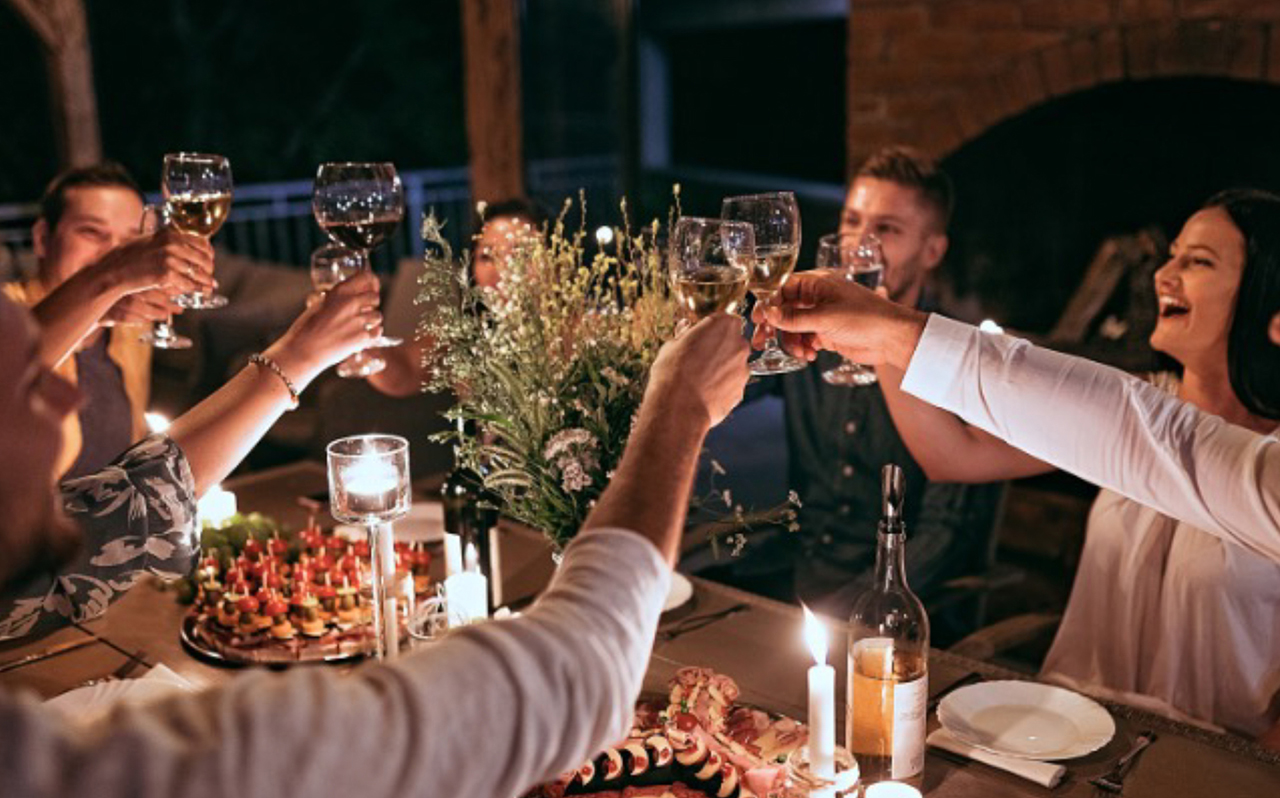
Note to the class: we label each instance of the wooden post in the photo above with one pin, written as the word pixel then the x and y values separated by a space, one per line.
pixel 63 31
pixel 491 60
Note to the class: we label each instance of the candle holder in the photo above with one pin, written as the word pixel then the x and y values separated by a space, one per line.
pixel 369 485
pixel 802 782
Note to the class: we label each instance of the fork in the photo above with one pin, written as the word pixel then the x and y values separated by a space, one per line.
pixel 1113 780
pixel 697 622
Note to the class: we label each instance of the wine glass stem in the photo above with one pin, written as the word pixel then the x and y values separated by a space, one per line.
pixel 771 346
pixel 386 624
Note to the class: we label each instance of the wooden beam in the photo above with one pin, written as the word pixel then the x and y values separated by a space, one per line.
pixel 495 133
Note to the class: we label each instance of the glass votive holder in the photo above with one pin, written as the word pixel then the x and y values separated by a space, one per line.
pixel 802 782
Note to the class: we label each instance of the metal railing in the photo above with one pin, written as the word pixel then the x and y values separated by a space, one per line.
pixel 273 221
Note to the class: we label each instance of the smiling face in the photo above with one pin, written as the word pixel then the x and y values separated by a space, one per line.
pixel 94 221
pixel 908 229
pixel 33 403
pixel 1197 290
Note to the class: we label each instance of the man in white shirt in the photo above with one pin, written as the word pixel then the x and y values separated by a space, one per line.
pixel 490 711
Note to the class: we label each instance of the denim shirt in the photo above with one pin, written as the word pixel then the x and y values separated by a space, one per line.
pixel 138 516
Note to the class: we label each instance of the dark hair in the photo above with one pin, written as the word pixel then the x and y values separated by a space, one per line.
pixel 107 174
pixel 1253 360
pixel 515 206
pixel 911 168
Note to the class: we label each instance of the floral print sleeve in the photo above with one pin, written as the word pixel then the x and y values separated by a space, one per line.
pixel 138 516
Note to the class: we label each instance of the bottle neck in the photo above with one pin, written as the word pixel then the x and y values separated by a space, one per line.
pixel 890 563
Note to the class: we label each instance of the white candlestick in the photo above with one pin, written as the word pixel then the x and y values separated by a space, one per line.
pixel 216 506
pixel 386 554
pixel 468 596
pixel 822 702
pixel 892 789
pixel 452 554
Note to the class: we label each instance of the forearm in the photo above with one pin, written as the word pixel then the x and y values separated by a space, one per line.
pixel 1109 428
pixel 649 486
pixel 71 311
pixel 947 448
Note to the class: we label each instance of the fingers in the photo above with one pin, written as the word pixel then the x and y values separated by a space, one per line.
pixel 143 308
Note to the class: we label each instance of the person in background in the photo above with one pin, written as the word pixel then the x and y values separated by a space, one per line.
pixel 1177 599
pixel 87 234
pixel 838 438
pixel 138 514
pixel 503 225
pixel 490 710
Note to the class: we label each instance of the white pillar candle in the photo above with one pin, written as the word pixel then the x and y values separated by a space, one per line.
pixel 892 789
pixel 386 554
pixel 468 596
pixel 452 554
pixel 216 506
pixel 822 701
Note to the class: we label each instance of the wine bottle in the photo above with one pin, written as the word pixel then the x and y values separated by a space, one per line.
pixel 888 658
pixel 471 515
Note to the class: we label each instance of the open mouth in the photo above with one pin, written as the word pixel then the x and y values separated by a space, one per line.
pixel 1171 307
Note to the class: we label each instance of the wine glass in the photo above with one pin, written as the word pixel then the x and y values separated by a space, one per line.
pixel 197 191
pixel 330 265
pixel 859 260
pixel 710 261
pixel 776 220
pixel 358 205
pixel 369 485
pixel 162 335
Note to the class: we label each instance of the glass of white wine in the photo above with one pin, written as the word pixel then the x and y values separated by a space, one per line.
pixel 197 192
pixel 859 260
pixel 330 265
pixel 161 335
pixel 775 217
pixel 710 261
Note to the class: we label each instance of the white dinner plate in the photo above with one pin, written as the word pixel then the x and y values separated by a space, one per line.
pixel 680 593
pixel 92 701
pixel 1026 720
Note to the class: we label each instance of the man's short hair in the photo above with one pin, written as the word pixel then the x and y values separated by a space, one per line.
pixel 911 168
pixel 107 174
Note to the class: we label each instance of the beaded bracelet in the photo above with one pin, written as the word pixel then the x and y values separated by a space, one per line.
pixel 269 364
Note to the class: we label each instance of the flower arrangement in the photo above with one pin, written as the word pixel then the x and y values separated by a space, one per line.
pixel 549 366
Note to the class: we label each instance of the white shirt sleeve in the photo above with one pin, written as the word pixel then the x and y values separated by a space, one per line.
pixel 489 711
pixel 1107 427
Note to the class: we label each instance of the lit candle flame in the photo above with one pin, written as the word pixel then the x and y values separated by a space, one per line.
pixel 815 635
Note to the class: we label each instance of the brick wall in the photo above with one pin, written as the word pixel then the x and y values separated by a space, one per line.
pixel 937 73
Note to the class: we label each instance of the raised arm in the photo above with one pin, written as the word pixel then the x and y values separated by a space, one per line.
pixel 947 448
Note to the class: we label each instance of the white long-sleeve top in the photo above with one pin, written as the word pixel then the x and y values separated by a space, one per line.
pixel 489 711
pixel 1176 605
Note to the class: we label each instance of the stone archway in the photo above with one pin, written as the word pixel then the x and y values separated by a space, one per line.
pixel 937 73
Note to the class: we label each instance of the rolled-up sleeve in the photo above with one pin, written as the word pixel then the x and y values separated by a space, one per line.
pixel 1107 427
pixel 488 711
pixel 137 515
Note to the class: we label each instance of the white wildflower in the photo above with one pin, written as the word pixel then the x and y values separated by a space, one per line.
pixel 573 477
pixel 567 439
pixel 738 542
pixel 794 498
pixel 727 497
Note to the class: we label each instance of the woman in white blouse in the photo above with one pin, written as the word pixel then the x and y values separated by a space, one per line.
pixel 1177 601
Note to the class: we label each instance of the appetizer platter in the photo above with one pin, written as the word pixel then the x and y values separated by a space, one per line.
pixel 696 741
pixel 263 597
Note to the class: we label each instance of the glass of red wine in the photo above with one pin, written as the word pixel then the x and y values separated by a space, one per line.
pixel 358 205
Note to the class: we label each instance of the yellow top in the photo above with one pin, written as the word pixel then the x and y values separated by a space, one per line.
pixel 126 349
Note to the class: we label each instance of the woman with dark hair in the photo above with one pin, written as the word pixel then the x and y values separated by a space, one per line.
pixel 1180 616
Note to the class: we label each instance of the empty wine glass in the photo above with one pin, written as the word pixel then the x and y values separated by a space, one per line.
pixel 709 261
pixel 197 191
pixel 330 265
pixel 162 335
pixel 859 260
pixel 358 205
pixel 776 221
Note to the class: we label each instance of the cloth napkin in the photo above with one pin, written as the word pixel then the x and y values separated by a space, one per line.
pixel 91 703
pixel 1046 774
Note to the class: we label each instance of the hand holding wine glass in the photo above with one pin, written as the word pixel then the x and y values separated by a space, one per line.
pixel 197 192
pixel 858 260
pixel 710 261
pixel 775 218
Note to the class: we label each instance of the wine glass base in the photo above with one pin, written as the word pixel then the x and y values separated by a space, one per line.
pixel 201 301
pixel 174 341
pixel 775 362
pixel 850 375
pixel 384 341
pixel 364 367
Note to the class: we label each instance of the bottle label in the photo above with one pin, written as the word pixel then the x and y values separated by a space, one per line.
pixel 910 707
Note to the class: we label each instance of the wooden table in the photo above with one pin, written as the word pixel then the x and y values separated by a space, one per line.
pixel 760 647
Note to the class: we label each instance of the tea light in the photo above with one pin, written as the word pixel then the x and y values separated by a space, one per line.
pixel 822 701
pixel 372 485
pixel 892 789
pixel 216 507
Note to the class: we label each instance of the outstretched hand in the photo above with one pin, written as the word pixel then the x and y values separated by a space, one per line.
pixel 821 310
pixel 341 323
pixel 703 369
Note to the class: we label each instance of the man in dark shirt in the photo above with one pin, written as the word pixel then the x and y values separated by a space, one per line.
pixel 839 437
